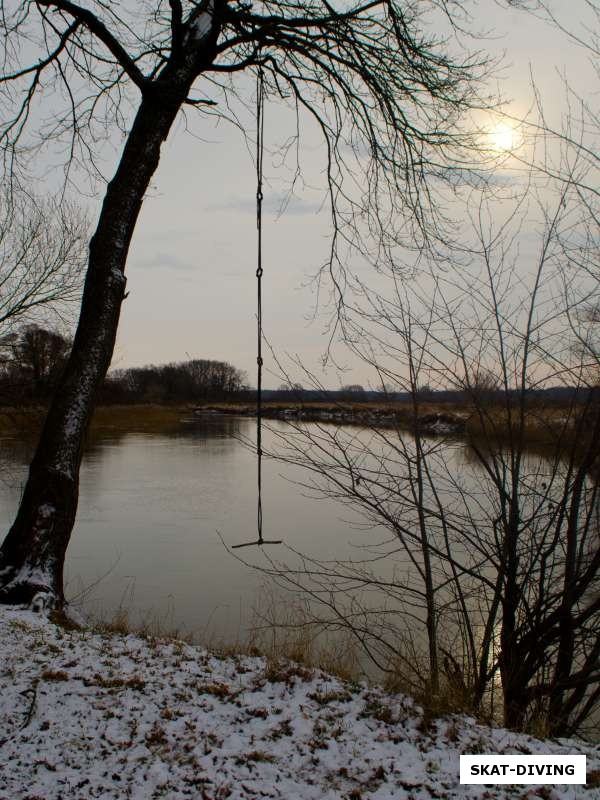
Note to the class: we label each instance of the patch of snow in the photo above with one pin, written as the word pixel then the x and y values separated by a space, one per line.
pixel 33 573
pixel 201 26
pixel 46 510
pixel 86 715
pixel 442 428
pixel 117 275
pixel 41 601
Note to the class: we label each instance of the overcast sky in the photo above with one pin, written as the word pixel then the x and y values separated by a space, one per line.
pixel 191 266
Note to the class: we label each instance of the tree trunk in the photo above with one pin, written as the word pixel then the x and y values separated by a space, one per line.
pixel 32 555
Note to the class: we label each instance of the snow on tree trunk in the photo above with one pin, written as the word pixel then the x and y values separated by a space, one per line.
pixel 32 555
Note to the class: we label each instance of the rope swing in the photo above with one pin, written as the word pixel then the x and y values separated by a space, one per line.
pixel 260 126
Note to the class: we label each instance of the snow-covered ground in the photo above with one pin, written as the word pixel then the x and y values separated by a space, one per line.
pixel 86 715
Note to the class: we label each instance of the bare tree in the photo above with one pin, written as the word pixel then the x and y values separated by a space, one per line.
pixel 353 391
pixel 480 385
pixel 482 558
pixel 35 359
pixel 42 255
pixel 385 95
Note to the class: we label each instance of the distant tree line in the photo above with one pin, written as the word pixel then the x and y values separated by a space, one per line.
pixel 476 393
pixel 33 357
pixel 196 380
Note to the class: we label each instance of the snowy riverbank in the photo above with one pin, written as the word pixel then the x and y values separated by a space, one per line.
pixel 84 715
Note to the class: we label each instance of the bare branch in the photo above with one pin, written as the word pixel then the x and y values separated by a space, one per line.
pixel 95 25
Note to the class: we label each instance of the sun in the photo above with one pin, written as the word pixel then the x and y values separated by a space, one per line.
pixel 502 138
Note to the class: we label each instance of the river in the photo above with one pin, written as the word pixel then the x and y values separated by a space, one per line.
pixel 156 513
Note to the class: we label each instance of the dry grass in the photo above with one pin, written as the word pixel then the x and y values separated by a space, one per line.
pixel 593 779
pixel 285 630
pixel 451 698
pixel 292 648
pixel 114 419
pixel 118 624
pixel 152 627
pixel 21 422
pixel 142 418
pixel 546 430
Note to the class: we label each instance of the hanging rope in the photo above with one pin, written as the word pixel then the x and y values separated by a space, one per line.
pixel 260 127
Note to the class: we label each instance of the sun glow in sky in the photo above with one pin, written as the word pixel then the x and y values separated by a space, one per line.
pixel 191 267
pixel 502 138
pixel 192 262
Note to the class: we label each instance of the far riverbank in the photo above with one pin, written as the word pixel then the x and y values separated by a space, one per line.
pixel 553 425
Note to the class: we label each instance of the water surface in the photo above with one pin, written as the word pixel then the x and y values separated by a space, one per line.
pixel 156 512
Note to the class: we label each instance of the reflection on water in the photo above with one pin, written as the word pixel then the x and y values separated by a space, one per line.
pixel 152 511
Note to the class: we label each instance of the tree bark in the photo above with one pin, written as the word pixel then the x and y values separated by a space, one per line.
pixel 32 555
